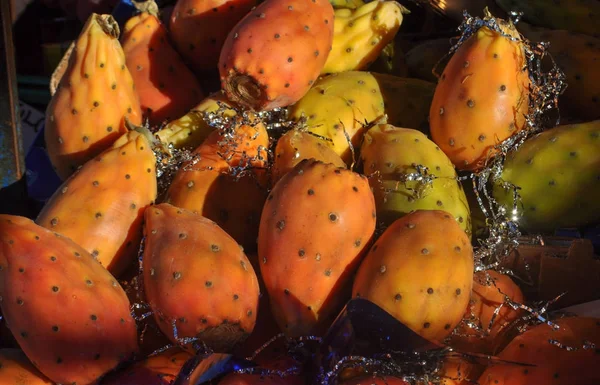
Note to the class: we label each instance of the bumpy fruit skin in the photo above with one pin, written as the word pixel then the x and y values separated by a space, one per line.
pixel 553 364
pixel 15 368
pixel 488 296
pixel 428 56
pixel 361 34
pixel 197 279
pixel 166 87
pixel 101 206
pixel 68 313
pixel 276 52
pixel 294 146
pixel 317 223
pixel 199 28
pixel 482 97
pixel 420 270
pixel 389 154
pixel 86 114
pixel 557 172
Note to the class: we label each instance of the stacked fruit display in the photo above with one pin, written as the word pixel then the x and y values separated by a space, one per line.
pixel 322 170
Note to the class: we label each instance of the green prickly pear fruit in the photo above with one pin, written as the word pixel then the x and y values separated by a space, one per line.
pixel 318 221
pixel 389 154
pixel 67 312
pixel 558 175
pixel 359 35
pixel 426 57
pixel 420 270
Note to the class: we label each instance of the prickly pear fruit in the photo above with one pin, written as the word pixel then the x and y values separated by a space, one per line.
pixel 425 58
pixel 390 155
pixel 482 96
pixel 375 380
pixel 275 53
pixel 359 35
pixel 199 28
pixel 17 369
pixel 391 60
pixel 575 16
pixel 317 222
pixel 295 146
pixel 459 371
pixel 350 4
pixel 159 369
pixel 166 87
pixel 95 94
pixel 68 313
pixel 197 279
pixel 420 270
pixel 101 206
pixel 563 356
pixel 552 194
pixel 487 310
pixel 208 186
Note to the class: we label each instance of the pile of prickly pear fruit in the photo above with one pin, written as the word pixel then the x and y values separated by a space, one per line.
pixel 340 158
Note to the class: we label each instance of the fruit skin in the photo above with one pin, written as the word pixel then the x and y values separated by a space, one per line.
pixel 389 154
pixel 349 4
pixel 86 114
pixel 375 380
pixel 295 146
pixel 199 28
pixel 166 87
pixel 552 194
pixel 68 314
pixel 482 97
pixel 276 52
pixel 101 206
pixel 18 370
pixel 420 270
pixel 553 365
pixel 428 56
pixel 197 278
pixel 361 34
pixel 317 222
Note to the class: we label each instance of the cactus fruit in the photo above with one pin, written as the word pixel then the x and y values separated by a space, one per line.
pixel 197 279
pixel 567 355
pixel 557 173
pixel 482 96
pixel 96 92
pixel 101 206
pixel 276 52
pixel 391 60
pixel 420 270
pixel 425 58
pixel 349 4
pixel 359 35
pixel 317 223
pixel 17 369
pixel 294 146
pixel 375 380
pixel 199 28
pixel 166 87
pixel 390 154
pixel 68 313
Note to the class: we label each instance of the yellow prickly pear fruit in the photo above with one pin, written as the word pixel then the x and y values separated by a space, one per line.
pixel 95 94
pixel 359 35
pixel 349 4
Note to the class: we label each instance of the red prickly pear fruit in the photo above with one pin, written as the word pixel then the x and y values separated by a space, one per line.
pixel 317 222
pixel 420 270
pixel 276 52
pixel 197 279
pixel 96 92
pixel 482 96
pixel 199 28
pixel 166 87
pixel 68 313
pixel 375 380
pixel 101 206
pixel 15 368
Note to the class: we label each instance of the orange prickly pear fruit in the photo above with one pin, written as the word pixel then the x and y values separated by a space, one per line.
pixel 482 96
pixel 318 221
pixel 420 270
pixel 166 87
pixel 197 279
pixel 101 206
pixel 276 52
pixel 68 313
pixel 17 369
pixel 87 112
